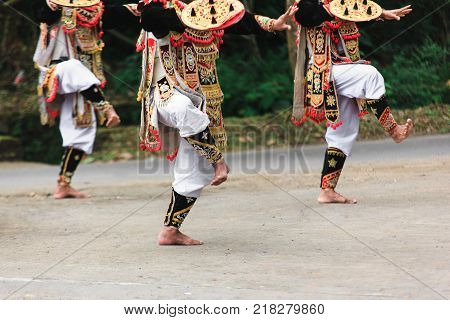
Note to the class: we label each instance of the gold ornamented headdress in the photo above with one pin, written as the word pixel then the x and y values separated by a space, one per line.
pixel 355 10
pixel 212 14
pixel 76 3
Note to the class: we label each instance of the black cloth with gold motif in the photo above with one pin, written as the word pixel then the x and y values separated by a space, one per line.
pixel 179 208
pixel 332 168
pixel 70 161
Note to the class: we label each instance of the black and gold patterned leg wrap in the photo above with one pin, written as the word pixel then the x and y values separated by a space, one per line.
pixel 179 208
pixel 70 161
pixel 380 107
pixel 332 167
pixel 205 145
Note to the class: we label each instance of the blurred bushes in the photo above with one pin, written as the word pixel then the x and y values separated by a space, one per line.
pixel 254 72
pixel 419 77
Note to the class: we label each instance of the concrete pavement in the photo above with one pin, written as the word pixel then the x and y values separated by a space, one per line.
pixel 265 235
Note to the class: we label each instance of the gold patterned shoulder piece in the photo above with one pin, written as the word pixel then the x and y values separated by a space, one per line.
pixel 355 10
pixel 212 14
pixel 76 3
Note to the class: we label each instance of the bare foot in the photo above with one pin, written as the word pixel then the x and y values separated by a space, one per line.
pixel 170 236
pixel 331 196
pixel 112 118
pixel 401 132
pixel 63 192
pixel 221 173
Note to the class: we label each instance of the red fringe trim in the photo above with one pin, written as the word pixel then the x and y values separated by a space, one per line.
pixel 298 122
pixel 315 116
pixel 351 37
pixel 172 157
pixel 198 41
pixel 176 43
pixel 140 46
pixel 334 126
pixel 179 4
pixel 363 113
pixel 103 84
pixel 334 26
pixel 69 31
pixel 52 113
pixel 144 146
pixel 54 91
pixel 82 21
pixel 218 33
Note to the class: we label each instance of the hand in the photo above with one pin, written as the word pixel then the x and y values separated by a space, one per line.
pixel 396 14
pixel 51 5
pixel 281 24
pixel 112 118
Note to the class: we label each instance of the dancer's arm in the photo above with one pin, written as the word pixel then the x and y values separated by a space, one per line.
pixel 47 12
pixel 160 21
pixel 118 16
pixel 256 24
pixel 311 13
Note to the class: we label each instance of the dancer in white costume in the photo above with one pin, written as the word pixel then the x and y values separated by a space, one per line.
pixel 69 58
pixel 335 85
pixel 181 94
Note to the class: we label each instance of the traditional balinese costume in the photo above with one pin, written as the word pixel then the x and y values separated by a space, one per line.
pixel 332 83
pixel 180 91
pixel 69 58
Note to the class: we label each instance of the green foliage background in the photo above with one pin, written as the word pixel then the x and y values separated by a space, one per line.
pixel 255 72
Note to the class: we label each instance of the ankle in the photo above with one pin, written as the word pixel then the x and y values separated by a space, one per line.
pixel 169 229
pixel 393 130
pixel 220 162
pixel 63 182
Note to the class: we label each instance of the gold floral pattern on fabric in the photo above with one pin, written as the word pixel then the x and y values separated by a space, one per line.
pixel 205 145
pixel 149 137
pixel 210 152
pixel 179 208
pixel 265 23
pixel 82 25
pixel 333 165
pixel 350 34
pixel 205 45
pixel 387 120
pixel 331 43
pixel 83 118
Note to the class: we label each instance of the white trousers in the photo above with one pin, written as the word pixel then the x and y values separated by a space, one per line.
pixel 192 172
pixel 73 78
pixel 353 81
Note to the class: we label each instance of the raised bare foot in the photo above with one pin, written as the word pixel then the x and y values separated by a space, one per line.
pixel 63 192
pixel 401 132
pixel 112 118
pixel 170 236
pixel 331 196
pixel 221 173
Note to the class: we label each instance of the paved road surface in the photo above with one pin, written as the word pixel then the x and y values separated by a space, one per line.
pixel 265 235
